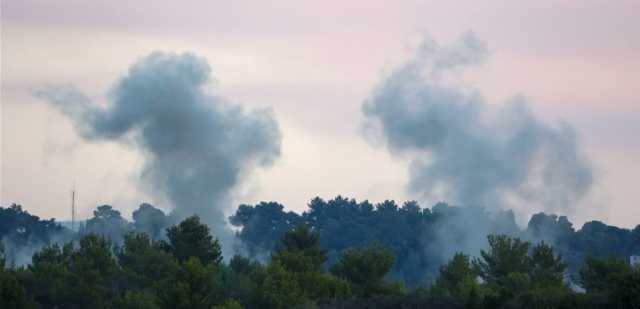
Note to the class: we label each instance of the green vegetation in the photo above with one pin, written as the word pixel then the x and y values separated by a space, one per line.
pixel 184 268
pixel 423 239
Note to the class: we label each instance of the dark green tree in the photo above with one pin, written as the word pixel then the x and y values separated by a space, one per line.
pixel 241 264
pixel 138 300
pixel 150 220
pixel 295 275
pixel 80 277
pixel 238 285
pixel 190 238
pixel 13 294
pixel 300 250
pixel 191 286
pixel 143 262
pixel 597 273
pixel 106 222
pixel 506 261
pixel 613 278
pixel 458 279
pixel 547 268
pixel 24 233
pixel 626 288
pixel 365 269
pixel 263 225
pixel 505 268
pixel 280 288
pixel 229 304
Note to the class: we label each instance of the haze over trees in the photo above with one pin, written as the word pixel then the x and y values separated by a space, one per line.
pixel 339 254
pixel 423 239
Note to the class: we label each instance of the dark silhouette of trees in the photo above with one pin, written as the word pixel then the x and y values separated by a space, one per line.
pixel 108 223
pixel 143 262
pixel 190 238
pixel 151 221
pixel 294 276
pixel 614 279
pixel 438 232
pixel 22 234
pixel 192 285
pixel 13 294
pixel 365 269
pixel 547 268
pixel 506 259
pixel 458 280
pixel 339 254
pixel 75 276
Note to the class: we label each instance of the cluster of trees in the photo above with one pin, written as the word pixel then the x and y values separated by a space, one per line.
pixel 423 239
pixel 514 274
pixel 338 254
pixel 22 234
pixel 595 238
pixel 187 271
pixel 108 221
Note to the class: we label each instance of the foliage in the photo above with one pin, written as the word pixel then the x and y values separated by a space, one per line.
pixel 506 258
pixel 597 274
pixel 295 276
pixel 280 289
pixel 106 222
pixel 143 262
pixel 185 269
pixel 612 277
pixel 138 300
pixel 366 269
pixel 13 294
pixel 514 272
pixel 547 268
pixel 150 220
pixel 75 277
pixel 192 285
pixel 190 238
pixel 300 250
pixel 458 279
pixel 263 225
pixel 439 232
pixel 22 234
pixel 229 304
pixel 241 264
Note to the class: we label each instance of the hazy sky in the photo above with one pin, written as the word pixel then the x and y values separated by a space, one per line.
pixel 314 63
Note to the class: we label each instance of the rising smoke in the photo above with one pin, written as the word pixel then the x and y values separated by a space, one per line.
pixel 197 147
pixel 462 152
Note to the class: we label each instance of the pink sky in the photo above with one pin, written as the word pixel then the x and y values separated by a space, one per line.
pixel 313 63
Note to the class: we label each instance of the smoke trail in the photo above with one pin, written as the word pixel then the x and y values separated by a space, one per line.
pixel 461 152
pixel 197 147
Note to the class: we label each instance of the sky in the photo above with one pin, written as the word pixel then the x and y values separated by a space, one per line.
pixel 313 63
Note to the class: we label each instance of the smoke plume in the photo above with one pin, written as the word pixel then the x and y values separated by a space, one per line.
pixel 461 151
pixel 197 147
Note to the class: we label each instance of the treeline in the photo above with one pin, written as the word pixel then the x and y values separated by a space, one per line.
pixel 338 254
pixel 423 239
pixel 187 271
pixel 22 234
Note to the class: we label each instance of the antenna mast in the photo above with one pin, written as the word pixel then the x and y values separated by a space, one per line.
pixel 73 208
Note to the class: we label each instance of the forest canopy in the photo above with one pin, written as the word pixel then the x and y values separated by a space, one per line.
pixel 339 253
